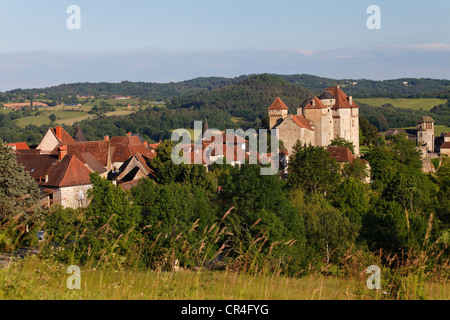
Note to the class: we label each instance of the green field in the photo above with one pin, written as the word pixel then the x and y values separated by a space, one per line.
pixel 438 129
pixel 416 104
pixel 65 115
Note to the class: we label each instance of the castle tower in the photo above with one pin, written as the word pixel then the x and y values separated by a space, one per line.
pixel 320 115
pixel 278 111
pixel 425 133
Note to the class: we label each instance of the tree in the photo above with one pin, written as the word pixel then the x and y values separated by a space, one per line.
pixel 52 117
pixel 313 169
pixel 341 142
pixel 327 229
pixel 19 193
pixel 111 223
pixel 369 132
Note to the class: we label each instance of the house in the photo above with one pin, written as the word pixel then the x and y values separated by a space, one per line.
pixel 131 171
pixel 343 156
pixel 443 144
pixel 318 121
pixel 63 179
pixel 53 138
pixel 422 135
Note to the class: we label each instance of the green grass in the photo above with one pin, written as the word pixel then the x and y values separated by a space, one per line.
pixel 416 104
pixel 438 129
pixel 46 280
pixel 65 115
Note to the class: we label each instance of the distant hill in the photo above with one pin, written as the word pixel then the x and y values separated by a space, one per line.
pixel 145 90
pixel 362 88
pixel 248 99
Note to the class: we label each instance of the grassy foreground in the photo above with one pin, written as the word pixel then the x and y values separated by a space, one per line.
pixel 37 279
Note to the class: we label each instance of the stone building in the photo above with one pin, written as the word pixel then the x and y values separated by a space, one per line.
pixel 318 121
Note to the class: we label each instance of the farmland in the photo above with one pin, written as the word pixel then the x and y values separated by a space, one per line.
pixel 415 104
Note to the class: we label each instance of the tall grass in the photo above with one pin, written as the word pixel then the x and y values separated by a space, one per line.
pixel 203 269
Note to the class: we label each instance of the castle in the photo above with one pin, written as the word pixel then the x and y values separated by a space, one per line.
pixel 319 120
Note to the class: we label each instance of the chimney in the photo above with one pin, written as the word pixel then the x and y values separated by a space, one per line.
pixel 146 144
pixel 58 131
pixel 62 152
pixel 106 138
pixel 46 178
pixel 313 102
pixel 350 100
pixel 129 134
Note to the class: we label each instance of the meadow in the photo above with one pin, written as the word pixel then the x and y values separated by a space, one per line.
pixel 38 279
pixel 415 104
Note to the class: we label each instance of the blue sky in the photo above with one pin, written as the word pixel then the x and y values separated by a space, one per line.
pixel 173 40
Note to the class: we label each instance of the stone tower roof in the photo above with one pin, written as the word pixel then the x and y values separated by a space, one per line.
pixel 79 135
pixel 278 104
pixel 426 119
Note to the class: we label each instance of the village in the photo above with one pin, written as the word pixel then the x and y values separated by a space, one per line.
pixel 61 164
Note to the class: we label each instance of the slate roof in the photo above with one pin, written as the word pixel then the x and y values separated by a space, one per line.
pixel 79 136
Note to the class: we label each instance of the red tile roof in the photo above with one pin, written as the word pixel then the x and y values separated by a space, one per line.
pixel 278 104
pixel 70 171
pixel 445 145
pixel 19 145
pixel 341 154
pixel 317 104
pixel 302 122
pixel 98 149
pixel 342 100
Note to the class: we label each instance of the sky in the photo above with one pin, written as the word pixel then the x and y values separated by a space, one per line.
pixel 175 40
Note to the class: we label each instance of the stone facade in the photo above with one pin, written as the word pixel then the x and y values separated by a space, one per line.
pixel 319 120
pixel 72 197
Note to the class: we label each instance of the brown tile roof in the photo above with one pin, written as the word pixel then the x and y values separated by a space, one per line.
pixel 445 145
pixel 70 171
pixel 92 163
pixel 38 165
pixel 315 103
pixel 98 149
pixel 302 122
pixel 126 147
pixel 342 100
pixel 341 154
pixel 278 104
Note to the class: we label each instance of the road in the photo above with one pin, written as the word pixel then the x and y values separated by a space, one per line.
pixel 7 258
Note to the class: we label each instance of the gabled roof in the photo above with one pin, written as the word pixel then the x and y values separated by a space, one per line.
pixel 70 171
pixel 137 162
pixel 341 154
pixel 62 135
pixel 92 163
pixel 302 122
pixel 278 104
pixel 342 100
